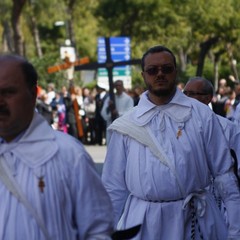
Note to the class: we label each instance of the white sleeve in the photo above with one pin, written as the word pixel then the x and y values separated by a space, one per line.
pixel 229 191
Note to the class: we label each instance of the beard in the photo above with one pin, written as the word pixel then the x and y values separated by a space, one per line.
pixel 162 92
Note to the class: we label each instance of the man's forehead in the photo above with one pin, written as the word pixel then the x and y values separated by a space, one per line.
pixel 118 83
pixel 194 85
pixel 10 64
pixel 159 57
pixel 11 58
pixel 10 74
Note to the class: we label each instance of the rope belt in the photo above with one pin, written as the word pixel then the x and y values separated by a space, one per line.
pixel 160 201
pixel 194 221
pixel 197 203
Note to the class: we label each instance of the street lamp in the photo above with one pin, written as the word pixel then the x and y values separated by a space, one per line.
pixel 64 23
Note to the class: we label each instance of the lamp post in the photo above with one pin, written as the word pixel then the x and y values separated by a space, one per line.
pixel 64 23
pixel 67 50
pixel 234 66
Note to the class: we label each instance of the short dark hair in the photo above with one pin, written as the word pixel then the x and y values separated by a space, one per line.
pixel 27 68
pixel 156 49
pixel 30 73
pixel 207 86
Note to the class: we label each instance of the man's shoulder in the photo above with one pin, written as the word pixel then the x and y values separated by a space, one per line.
pixel 126 95
pixel 69 148
pixel 66 142
pixel 227 123
pixel 126 118
pixel 201 108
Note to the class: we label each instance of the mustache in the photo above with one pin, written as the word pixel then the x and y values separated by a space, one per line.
pixel 161 79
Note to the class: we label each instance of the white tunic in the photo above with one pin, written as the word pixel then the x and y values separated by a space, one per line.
pixel 144 190
pixel 73 204
pixel 232 133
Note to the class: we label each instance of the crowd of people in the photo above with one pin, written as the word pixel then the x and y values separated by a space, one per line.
pixel 92 111
pixel 170 159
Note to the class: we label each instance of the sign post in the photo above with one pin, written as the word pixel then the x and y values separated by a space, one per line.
pixel 120 50
pixel 109 64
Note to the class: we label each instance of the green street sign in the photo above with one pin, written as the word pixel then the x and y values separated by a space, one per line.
pixel 116 72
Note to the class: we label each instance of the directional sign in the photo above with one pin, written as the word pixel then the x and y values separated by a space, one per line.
pixel 109 65
pixel 120 51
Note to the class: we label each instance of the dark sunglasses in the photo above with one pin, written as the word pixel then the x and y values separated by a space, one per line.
pixel 192 93
pixel 165 69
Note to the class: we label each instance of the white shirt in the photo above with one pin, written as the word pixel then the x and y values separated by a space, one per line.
pixel 123 104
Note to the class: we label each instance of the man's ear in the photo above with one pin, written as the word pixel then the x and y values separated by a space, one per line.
pixel 208 98
pixel 34 91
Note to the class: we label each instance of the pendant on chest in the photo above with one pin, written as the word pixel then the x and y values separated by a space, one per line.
pixel 41 184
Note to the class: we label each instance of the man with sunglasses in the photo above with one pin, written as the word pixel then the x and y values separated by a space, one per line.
pixel 202 90
pixel 160 160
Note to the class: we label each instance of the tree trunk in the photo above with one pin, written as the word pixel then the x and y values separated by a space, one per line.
pixel 216 60
pixel 182 59
pixel 232 61
pixel 70 28
pixel 7 38
pixel 17 35
pixel 216 75
pixel 204 48
pixel 36 37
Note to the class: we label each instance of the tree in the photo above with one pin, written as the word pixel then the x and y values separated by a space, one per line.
pixel 5 28
pixel 197 32
pixel 17 35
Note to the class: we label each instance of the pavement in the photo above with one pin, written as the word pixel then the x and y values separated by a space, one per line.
pixel 98 155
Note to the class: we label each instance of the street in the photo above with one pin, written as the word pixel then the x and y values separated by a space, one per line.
pixel 98 155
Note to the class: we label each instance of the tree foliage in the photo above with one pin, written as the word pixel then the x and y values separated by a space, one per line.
pixel 202 34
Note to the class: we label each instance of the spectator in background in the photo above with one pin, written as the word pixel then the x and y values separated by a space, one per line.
pixel 44 108
pixel 218 104
pixel 59 113
pixel 50 92
pixel 89 119
pixel 123 103
pixel 99 121
pixel 229 107
pixel 237 92
pixel 79 97
pixel 137 91
pixel 71 122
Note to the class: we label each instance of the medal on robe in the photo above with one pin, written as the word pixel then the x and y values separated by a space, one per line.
pixel 179 133
pixel 41 184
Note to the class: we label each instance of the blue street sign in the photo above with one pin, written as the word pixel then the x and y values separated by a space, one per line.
pixel 120 51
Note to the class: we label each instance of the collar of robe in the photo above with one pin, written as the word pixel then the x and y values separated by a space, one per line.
pixel 179 109
pixel 36 146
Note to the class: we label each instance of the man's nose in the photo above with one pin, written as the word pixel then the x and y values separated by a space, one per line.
pixel 159 71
